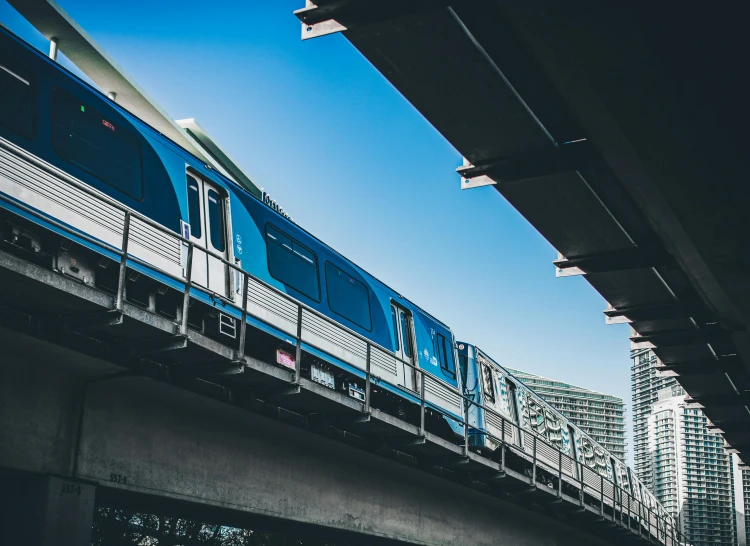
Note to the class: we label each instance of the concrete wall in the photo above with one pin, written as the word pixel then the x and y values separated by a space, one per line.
pixel 137 435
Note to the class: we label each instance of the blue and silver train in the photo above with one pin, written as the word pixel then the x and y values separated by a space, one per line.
pixel 68 151
pixel 77 171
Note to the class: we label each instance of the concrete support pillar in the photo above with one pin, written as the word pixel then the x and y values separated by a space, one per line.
pixel 68 512
pixel 53 512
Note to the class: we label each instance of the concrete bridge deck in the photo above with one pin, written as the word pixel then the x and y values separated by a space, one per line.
pixel 81 424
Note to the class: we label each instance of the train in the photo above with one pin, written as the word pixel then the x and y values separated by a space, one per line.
pixel 84 182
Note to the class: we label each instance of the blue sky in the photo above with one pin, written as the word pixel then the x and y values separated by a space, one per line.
pixel 354 163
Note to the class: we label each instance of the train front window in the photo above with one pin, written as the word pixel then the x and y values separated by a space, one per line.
pixel 96 144
pixel 216 220
pixel 194 207
pixel 17 99
pixel 463 364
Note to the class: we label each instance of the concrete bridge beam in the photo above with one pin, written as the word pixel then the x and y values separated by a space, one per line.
pixel 66 414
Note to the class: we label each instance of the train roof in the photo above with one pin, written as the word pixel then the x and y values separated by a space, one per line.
pixel 215 172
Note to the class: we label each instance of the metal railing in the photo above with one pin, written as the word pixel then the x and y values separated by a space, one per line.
pixel 657 527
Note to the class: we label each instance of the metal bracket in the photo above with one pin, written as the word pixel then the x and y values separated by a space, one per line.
pixel 321 29
pixel 607 262
pixel 635 313
pixel 287 390
pixel 155 345
pixel 566 158
pixel 570 271
pixel 92 320
pixel 312 27
pixel 501 475
pixel 470 181
pixel 339 421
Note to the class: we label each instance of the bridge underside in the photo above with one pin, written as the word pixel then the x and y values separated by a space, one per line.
pixel 618 132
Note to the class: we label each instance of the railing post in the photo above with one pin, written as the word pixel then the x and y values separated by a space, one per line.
pixel 648 520
pixel 580 476
pixel 630 517
pixel 533 466
pixel 640 519
pixel 559 475
pixel 422 381
pixel 298 348
pixel 186 295
pixel 601 495
pixel 616 501
pixel 466 426
pixel 368 380
pixel 120 297
pixel 243 326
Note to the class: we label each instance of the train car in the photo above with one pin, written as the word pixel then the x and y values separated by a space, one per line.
pixel 503 410
pixel 530 424
pixel 75 168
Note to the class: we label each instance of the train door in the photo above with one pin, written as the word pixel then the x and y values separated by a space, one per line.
pixel 517 438
pixel 208 230
pixel 404 346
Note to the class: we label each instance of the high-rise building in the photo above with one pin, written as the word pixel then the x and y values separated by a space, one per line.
pixel 682 463
pixel 646 384
pixel 601 416
pixel 692 474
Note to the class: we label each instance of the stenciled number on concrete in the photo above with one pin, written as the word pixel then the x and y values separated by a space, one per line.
pixel 118 478
pixel 70 489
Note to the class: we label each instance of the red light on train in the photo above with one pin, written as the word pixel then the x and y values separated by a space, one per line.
pixel 108 125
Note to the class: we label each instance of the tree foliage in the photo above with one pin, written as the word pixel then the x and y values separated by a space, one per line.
pixel 117 527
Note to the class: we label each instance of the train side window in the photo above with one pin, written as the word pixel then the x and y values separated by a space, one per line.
pixel 216 220
pixel 84 137
pixel 292 263
pixel 194 207
pixel 348 297
pixel 17 100
pixel 489 385
pixel 445 354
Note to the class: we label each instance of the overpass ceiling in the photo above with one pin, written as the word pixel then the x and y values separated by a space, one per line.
pixel 618 132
